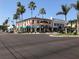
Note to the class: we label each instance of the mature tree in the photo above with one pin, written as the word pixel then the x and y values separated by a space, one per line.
pixel 65 10
pixel 6 21
pixel 42 11
pixel 15 17
pixel 21 10
pixel 76 6
pixel 32 7
pixel 5 25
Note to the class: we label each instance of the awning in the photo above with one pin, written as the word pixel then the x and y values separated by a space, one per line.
pixel 24 26
pixel 19 27
pixel 28 26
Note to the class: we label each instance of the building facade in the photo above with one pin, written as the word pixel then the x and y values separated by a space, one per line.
pixel 35 25
pixel 58 24
pixel 39 25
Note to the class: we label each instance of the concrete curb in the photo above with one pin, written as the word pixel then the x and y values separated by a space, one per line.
pixel 64 35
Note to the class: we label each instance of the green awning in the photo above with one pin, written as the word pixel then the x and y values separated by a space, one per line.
pixel 24 26
pixel 19 26
pixel 28 27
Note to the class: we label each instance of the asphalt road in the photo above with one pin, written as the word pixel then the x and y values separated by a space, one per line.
pixel 37 46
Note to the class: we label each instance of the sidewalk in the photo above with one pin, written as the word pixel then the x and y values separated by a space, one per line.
pixel 51 35
pixel 34 33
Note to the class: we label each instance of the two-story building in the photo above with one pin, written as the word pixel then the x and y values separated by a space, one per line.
pixel 35 25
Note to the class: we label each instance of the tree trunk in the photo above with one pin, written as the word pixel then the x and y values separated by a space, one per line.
pixel 77 27
pixel 19 17
pixel 66 24
pixel 22 21
pixel 22 18
pixel 31 13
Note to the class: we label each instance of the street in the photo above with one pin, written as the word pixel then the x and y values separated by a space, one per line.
pixel 38 46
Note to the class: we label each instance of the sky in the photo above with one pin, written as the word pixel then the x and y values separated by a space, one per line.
pixel 8 8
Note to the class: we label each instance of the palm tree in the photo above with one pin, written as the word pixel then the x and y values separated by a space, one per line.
pixel 65 10
pixel 18 9
pixel 76 6
pixel 32 7
pixel 18 13
pixel 5 24
pixel 21 9
pixel 42 12
pixel 6 21
pixel 15 16
pixel 18 4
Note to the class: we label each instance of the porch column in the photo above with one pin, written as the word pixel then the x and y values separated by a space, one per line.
pixel 44 29
pixel 35 29
pixel 40 29
pixel 31 30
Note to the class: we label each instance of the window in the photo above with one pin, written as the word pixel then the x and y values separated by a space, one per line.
pixel 62 25
pixel 32 21
pixel 55 24
pixel 49 22
pixel 37 21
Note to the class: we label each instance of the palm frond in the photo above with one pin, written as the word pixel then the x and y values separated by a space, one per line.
pixel 67 9
pixel 60 13
pixel 15 16
pixel 42 11
pixel 21 10
pixel 18 4
pixel 32 5
pixel 63 8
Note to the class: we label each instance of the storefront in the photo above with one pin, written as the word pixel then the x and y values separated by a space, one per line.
pixel 35 25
